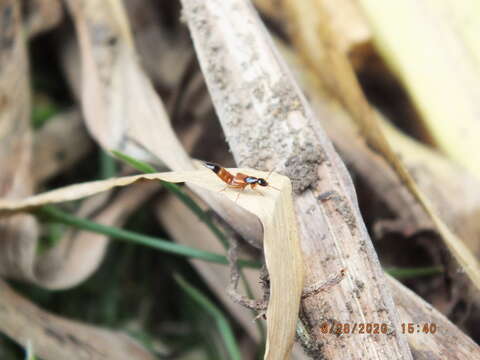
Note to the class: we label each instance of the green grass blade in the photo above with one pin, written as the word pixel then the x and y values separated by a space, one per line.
pixel 53 214
pixel 221 321
pixel 108 166
pixel 179 193
pixel 192 205
pixel 408 273
pixel 29 355
pixel 42 112
pixel 136 164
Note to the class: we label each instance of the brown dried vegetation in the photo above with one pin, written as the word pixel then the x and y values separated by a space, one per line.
pixel 367 112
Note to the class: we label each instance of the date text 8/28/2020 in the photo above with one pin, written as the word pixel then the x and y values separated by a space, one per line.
pixel 376 328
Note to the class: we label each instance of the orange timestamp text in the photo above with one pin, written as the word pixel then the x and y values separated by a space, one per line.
pixel 376 328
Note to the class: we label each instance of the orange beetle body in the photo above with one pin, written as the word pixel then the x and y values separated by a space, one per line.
pixel 237 181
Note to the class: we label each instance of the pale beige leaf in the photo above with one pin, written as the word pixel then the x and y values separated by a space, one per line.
pixel 386 185
pixel 15 132
pixel 79 253
pixel 165 53
pixel 347 20
pixel 18 234
pixel 463 17
pixel 59 144
pixel 275 211
pixel 268 123
pixel 433 48
pixel 185 227
pixel 56 338
pixel 439 178
pixel 41 15
pixel 120 105
pixel 338 74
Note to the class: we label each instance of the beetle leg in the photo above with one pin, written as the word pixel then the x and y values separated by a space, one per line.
pixel 258 192
pixel 254 189
pixel 229 186
pixel 242 188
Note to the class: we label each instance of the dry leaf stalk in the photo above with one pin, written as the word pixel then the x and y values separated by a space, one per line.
pixel 338 74
pixel 268 124
pixel 386 185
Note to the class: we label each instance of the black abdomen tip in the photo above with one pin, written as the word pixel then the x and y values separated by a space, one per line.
pixel 214 167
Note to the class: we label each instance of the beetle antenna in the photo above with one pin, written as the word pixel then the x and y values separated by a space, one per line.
pixel 273 187
pixel 268 176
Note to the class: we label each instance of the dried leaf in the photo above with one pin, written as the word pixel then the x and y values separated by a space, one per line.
pixel 268 123
pixel 338 74
pixel 445 342
pixel 374 170
pixel 41 15
pixel 440 36
pixel 59 144
pixel 79 253
pixel 120 105
pixel 354 35
pixel 18 233
pixel 439 178
pixel 165 52
pixel 15 132
pixel 275 211
pixel 436 176
pixel 56 338
pixel 184 227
